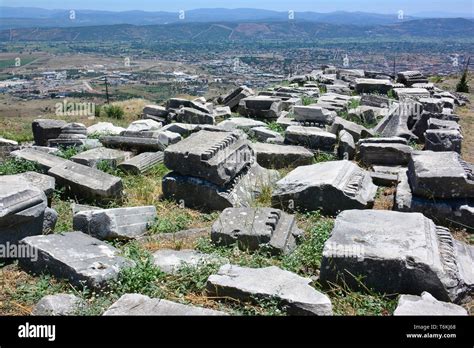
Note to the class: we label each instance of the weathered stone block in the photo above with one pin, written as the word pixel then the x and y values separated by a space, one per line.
pixel 292 291
pixel 346 148
pixel 373 85
pixel 178 103
pixel 440 175
pixel 93 157
pixel 136 144
pixel 45 129
pixel 330 187
pixel 144 125
pixel 253 228
pixel 43 182
pixel 170 261
pixel 443 140
pixel 357 131
pixel 58 305
pixel 214 156
pixel 104 128
pixel 49 220
pixel 241 123
pixel 136 304
pixel 44 160
pixel 426 305
pixel 21 212
pixel 202 194
pixel 233 99
pixel 260 107
pixel 75 256
pixel 264 134
pixel 385 154
pixel 119 223
pixel 86 182
pixel 311 137
pixel 313 113
pixel 142 163
pixel 416 256
pixel 458 212
pixel 193 116
pixel 277 156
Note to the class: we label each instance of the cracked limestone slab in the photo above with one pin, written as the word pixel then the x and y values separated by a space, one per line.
pixel 292 291
pixel 393 252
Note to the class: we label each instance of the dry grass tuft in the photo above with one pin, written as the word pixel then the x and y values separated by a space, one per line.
pixel 384 198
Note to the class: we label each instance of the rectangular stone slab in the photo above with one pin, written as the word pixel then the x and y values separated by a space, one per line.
pixel 385 154
pixel 443 140
pixel 136 304
pixel 43 182
pixel 411 93
pixel 137 144
pixel 118 223
pixel 373 85
pixel 233 98
pixel 393 252
pixel 310 137
pixel 193 116
pixel 77 257
pixel 260 107
pixel 313 113
pixel 21 212
pixel 214 156
pixel 201 194
pixel 45 160
pixel 457 212
pixel 291 290
pixel 92 157
pixel 155 110
pixel 177 103
pixel 170 261
pixel 45 129
pixel 86 182
pixel 427 305
pixel 252 228
pixel 440 175
pixel 330 187
pixel 142 163
pixel 281 156
pixel 357 131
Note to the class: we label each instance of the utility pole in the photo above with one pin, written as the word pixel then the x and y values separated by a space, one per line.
pixel 394 67
pixel 106 89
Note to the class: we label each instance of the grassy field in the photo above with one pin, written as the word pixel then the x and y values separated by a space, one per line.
pixel 19 291
pixel 11 63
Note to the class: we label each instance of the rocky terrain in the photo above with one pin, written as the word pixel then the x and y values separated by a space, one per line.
pixel 340 192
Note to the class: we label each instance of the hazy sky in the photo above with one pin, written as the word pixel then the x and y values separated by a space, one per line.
pixel 377 6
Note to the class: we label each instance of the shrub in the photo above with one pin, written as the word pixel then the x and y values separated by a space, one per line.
pixel 16 166
pixel 462 85
pixel 276 127
pixel 306 259
pixel 114 111
pixel 308 100
pixel 68 152
pixel 140 278
pixel 97 110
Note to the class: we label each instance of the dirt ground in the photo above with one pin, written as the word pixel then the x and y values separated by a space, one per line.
pixel 466 114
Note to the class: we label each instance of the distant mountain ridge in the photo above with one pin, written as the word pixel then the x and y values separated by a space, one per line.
pixel 30 17
pixel 438 29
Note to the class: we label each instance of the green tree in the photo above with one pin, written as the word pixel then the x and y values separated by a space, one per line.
pixel 462 85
